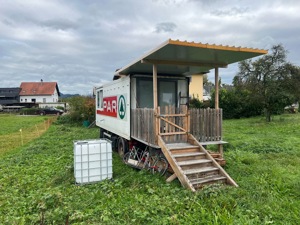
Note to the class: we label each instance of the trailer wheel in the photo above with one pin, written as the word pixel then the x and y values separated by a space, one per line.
pixel 101 133
pixel 122 146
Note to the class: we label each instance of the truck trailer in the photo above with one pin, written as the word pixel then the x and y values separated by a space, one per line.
pixel 146 105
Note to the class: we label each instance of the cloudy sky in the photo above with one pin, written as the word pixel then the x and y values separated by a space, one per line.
pixel 80 43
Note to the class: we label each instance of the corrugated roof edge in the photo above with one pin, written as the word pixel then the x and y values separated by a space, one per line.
pixel 218 47
pixel 142 57
pixel 192 44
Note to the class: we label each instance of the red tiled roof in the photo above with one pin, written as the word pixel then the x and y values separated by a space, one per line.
pixel 38 88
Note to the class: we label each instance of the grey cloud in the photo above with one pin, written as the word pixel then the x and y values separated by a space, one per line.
pixel 165 27
pixel 234 11
pixel 80 44
pixel 62 24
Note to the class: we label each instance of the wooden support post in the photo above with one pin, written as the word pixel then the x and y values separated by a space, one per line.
pixel 220 147
pixel 171 178
pixel 155 102
pixel 216 88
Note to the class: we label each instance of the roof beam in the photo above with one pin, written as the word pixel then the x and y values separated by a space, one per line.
pixel 184 63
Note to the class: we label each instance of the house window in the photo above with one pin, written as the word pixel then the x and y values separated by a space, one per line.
pixel 144 93
pixel 44 100
pixel 25 99
pixel 100 99
pixel 33 100
pixel 167 90
pixel 167 93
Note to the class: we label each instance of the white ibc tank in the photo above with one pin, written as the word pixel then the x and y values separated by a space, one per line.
pixel 92 160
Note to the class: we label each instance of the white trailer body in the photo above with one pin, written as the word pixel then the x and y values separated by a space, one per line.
pixel 115 100
pixel 113 107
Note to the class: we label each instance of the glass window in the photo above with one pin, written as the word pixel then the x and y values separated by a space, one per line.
pixel 167 93
pixel 144 93
pixel 100 99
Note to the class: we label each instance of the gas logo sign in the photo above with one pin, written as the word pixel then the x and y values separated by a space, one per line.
pixel 114 106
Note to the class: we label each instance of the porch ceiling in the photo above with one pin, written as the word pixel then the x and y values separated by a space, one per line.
pixel 175 57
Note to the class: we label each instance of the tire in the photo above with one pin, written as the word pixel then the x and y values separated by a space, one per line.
pixel 114 142
pixel 122 147
pixel 160 166
pixel 101 133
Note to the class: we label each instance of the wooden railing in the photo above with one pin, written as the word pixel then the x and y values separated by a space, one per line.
pixel 204 124
pixel 142 125
pixel 173 123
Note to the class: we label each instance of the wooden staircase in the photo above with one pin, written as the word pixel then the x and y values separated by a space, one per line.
pixel 193 165
pixel 191 162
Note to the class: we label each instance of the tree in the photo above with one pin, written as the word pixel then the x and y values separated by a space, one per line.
pixel 269 80
pixel 82 108
pixel 236 103
pixel 294 82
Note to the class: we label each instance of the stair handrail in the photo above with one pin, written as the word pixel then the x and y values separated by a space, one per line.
pixel 222 171
pixel 177 169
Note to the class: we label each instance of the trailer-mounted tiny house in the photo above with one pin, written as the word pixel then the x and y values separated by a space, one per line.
pixel 147 104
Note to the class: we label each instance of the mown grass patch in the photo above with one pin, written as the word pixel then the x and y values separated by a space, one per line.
pixel 37 186
pixel 16 130
pixel 256 135
pixel 11 123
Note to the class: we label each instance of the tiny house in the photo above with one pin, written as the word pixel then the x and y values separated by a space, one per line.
pixel 147 105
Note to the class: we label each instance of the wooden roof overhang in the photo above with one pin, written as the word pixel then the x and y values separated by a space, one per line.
pixel 174 57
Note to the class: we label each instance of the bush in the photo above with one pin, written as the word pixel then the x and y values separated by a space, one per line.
pixel 81 108
pixel 64 119
pixel 196 103
pixel 29 111
pixel 237 104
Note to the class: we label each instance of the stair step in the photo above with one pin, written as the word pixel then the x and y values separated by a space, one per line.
pixel 179 146
pixel 192 162
pixel 201 170
pixel 188 154
pixel 207 179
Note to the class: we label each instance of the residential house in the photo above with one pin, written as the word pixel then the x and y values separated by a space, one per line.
pixel 9 96
pixel 39 92
pixel 196 87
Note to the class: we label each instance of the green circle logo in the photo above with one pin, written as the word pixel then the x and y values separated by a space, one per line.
pixel 122 107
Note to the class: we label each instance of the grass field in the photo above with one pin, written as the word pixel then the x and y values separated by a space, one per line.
pixel 10 123
pixel 37 182
pixel 17 130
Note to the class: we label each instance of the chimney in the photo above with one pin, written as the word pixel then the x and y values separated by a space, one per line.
pixel 41 81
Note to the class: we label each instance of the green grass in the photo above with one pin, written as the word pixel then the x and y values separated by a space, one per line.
pixel 10 123
pixel 37 183
pixel 16 130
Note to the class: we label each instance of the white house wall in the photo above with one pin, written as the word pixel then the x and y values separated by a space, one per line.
pixel 40 98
